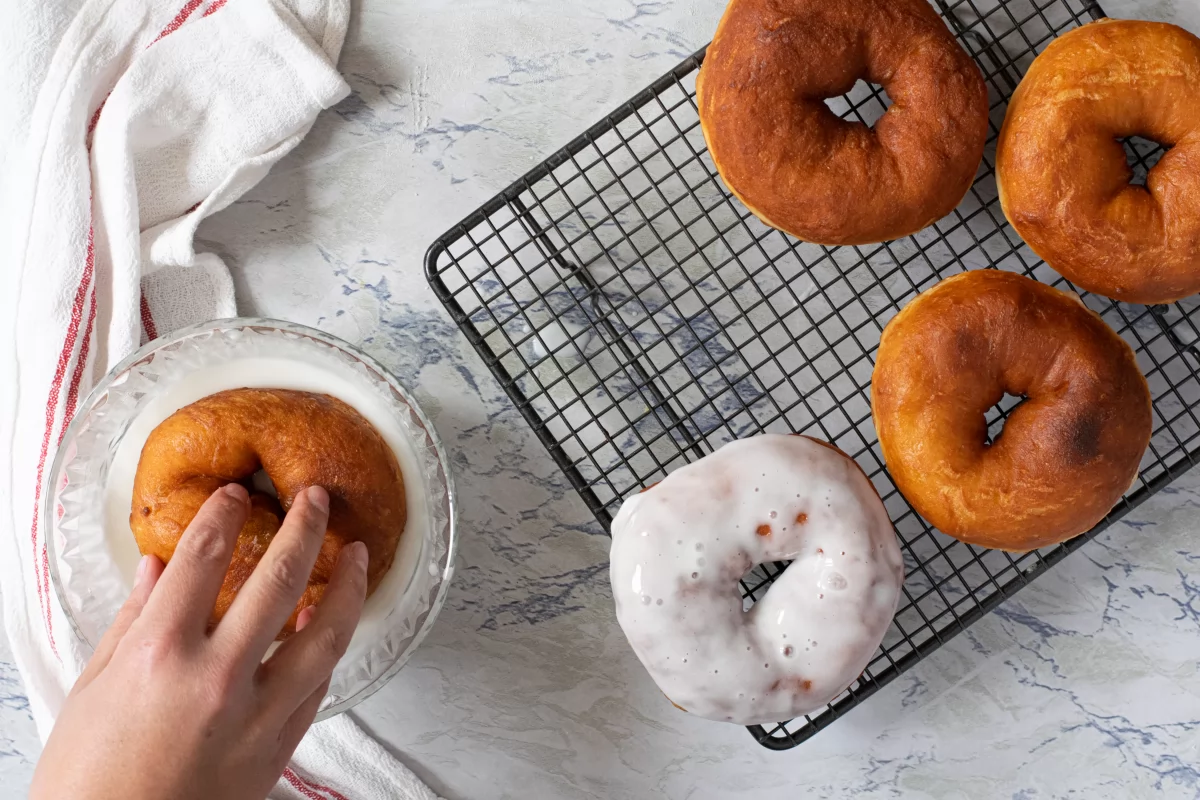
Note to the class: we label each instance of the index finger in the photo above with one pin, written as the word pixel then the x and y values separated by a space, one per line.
pixel 184 597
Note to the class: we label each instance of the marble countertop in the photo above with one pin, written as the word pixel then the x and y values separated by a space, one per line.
pixel 1085 684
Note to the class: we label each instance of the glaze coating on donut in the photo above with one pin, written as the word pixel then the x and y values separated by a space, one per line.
pixel 1061 171
pixel 299 439
pixel 1065 455
pixel 679 549
pixel 804 170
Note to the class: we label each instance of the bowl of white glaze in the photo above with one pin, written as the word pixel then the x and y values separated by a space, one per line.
pixel 93 554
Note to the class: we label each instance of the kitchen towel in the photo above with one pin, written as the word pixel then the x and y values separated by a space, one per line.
pixel 128 122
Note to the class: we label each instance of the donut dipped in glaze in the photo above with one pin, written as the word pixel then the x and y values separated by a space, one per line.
pixel 680 548
pixel 299 439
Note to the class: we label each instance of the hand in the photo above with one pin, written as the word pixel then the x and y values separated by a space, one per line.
pixel 168 709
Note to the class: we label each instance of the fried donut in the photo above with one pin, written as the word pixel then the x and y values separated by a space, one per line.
pixel 1061 172
pixel 680 548
pixel 805 171
pixel 298 439
pixel 1066 454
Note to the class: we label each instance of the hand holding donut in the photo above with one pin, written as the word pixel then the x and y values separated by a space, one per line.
pixel 166 708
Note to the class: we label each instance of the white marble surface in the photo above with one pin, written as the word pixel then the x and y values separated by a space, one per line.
pixel 1085 685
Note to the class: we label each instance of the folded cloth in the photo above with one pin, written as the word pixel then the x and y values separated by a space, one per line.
pixel 133 120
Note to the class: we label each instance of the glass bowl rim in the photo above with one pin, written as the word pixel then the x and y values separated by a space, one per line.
pixel 236 323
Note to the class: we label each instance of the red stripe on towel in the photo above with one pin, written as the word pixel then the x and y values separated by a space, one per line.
pixel 311 788
pixel 300 786
pixel 180 18
pixel 64 358
pixel 148 321
pixel 60 371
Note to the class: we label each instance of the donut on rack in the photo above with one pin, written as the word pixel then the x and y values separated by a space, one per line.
pixel 1061 171
pixel 680 548
pixel 761 94
pixel 299 439
pixel 1066 453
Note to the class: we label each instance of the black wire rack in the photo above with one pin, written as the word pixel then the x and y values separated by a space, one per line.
pixel 639 318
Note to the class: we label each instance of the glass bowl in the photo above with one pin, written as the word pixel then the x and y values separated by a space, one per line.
pixel 92 551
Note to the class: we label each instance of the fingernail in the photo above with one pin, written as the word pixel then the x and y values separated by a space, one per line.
pixel 358 551
pixel 319 498
pixel 304 617
pixel 236 491
pixel 143 565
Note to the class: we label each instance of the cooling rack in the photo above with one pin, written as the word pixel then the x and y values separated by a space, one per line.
pixel 639 317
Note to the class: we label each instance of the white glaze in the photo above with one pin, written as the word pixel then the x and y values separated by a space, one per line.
pixel 679 549
pixel 277 373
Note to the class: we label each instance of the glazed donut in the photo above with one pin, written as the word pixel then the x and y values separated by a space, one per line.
pixel 805 171
pixel 298 439
pixel 1061 171
pixel 1066 454
pixel 680 548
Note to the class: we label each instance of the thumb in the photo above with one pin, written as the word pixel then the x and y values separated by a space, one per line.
pixel 148 571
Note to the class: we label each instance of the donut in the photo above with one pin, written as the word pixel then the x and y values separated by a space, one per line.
pixel 299 439
pixel 680 548
pixel 802 169
pixel 1066 453
pixel 1061 171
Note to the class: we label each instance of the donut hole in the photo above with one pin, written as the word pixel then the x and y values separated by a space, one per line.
pixel 866 102
pixel 756 580
pixel 261 482
pixel 1000 414
pixel 1141 155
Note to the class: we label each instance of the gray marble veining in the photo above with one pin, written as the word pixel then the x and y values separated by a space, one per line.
pixel 1085 684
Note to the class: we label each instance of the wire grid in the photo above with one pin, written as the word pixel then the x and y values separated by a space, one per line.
pixel 639 317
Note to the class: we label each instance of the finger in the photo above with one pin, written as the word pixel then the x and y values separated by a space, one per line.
pixel 300 721
pixel 269 596
pixel 148 571
pixel 306 660
pixel 304 617
pixel 188 588
pixel 298 724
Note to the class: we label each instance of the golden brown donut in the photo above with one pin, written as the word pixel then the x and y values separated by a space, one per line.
pixel 1065 455
pixel 1062 175
pixel 805 171
pixel 299 439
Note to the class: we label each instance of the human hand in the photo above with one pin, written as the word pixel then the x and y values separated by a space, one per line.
pixel 167 708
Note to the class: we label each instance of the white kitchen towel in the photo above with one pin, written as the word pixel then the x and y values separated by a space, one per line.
pixel 131 121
